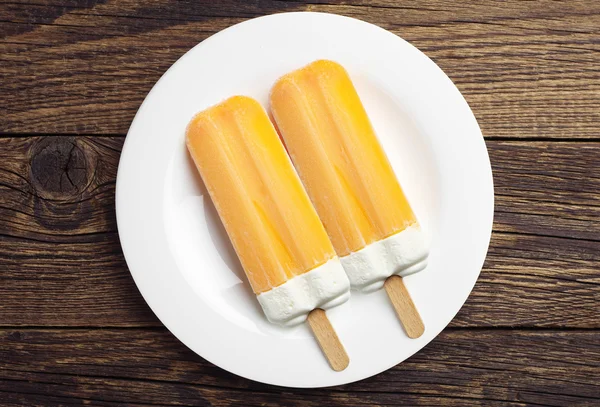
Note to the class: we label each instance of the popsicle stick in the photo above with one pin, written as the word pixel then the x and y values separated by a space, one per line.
pixel 404 306
pixel 328 340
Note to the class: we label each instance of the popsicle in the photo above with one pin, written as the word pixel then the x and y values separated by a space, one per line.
pixel 280 241
pixel 350 181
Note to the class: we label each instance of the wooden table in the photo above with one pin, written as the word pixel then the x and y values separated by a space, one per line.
pixel 75 330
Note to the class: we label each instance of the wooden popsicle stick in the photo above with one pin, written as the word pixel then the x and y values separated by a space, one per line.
pixel 404 307
pixel 328 340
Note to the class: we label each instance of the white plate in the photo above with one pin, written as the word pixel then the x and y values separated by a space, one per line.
pixel 176 247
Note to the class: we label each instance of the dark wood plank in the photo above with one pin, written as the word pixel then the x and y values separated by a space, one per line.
pixel 459 368
pixel 55 189
pixel 527 281
pixel 83 283
pixel 546 188
pixel 59 247
pixel 62 263
pixel 533 281
pixel 528 69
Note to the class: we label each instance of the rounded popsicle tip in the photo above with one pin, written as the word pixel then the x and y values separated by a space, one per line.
pixel 280 87
pixel 288 83
pixel 325 65
pixel 239 102
pixel 318 66
pixel 206 116
pixel 192 130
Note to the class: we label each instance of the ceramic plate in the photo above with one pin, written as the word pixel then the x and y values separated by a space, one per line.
pixel 177 249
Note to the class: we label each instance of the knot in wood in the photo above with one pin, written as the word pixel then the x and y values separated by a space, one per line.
pixel 59 169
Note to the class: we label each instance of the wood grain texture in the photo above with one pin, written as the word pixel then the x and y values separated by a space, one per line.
pixel 459 368
pixel 59 247
pixel 63 266
pixel 61 188
pixel 528 69
pixel 328 340
pixel 74 329
pixel 550 189
pixel 404 306
pixel 55 189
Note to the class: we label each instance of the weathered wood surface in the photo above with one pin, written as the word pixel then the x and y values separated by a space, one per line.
pixel 550 189
pixel 63 266
pixel 528 69
pixel 74 329
pixel 150 367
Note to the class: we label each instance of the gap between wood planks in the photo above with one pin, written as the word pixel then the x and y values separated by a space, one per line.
pixel 538 367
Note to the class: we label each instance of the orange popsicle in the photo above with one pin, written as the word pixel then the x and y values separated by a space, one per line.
pixel 276 232
pixel 349 179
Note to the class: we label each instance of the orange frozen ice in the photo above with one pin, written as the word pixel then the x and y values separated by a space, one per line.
pixel 276 232
pixel 348 176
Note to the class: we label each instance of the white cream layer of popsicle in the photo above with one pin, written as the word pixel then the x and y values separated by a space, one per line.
pixel 401 254
pixel 324 287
